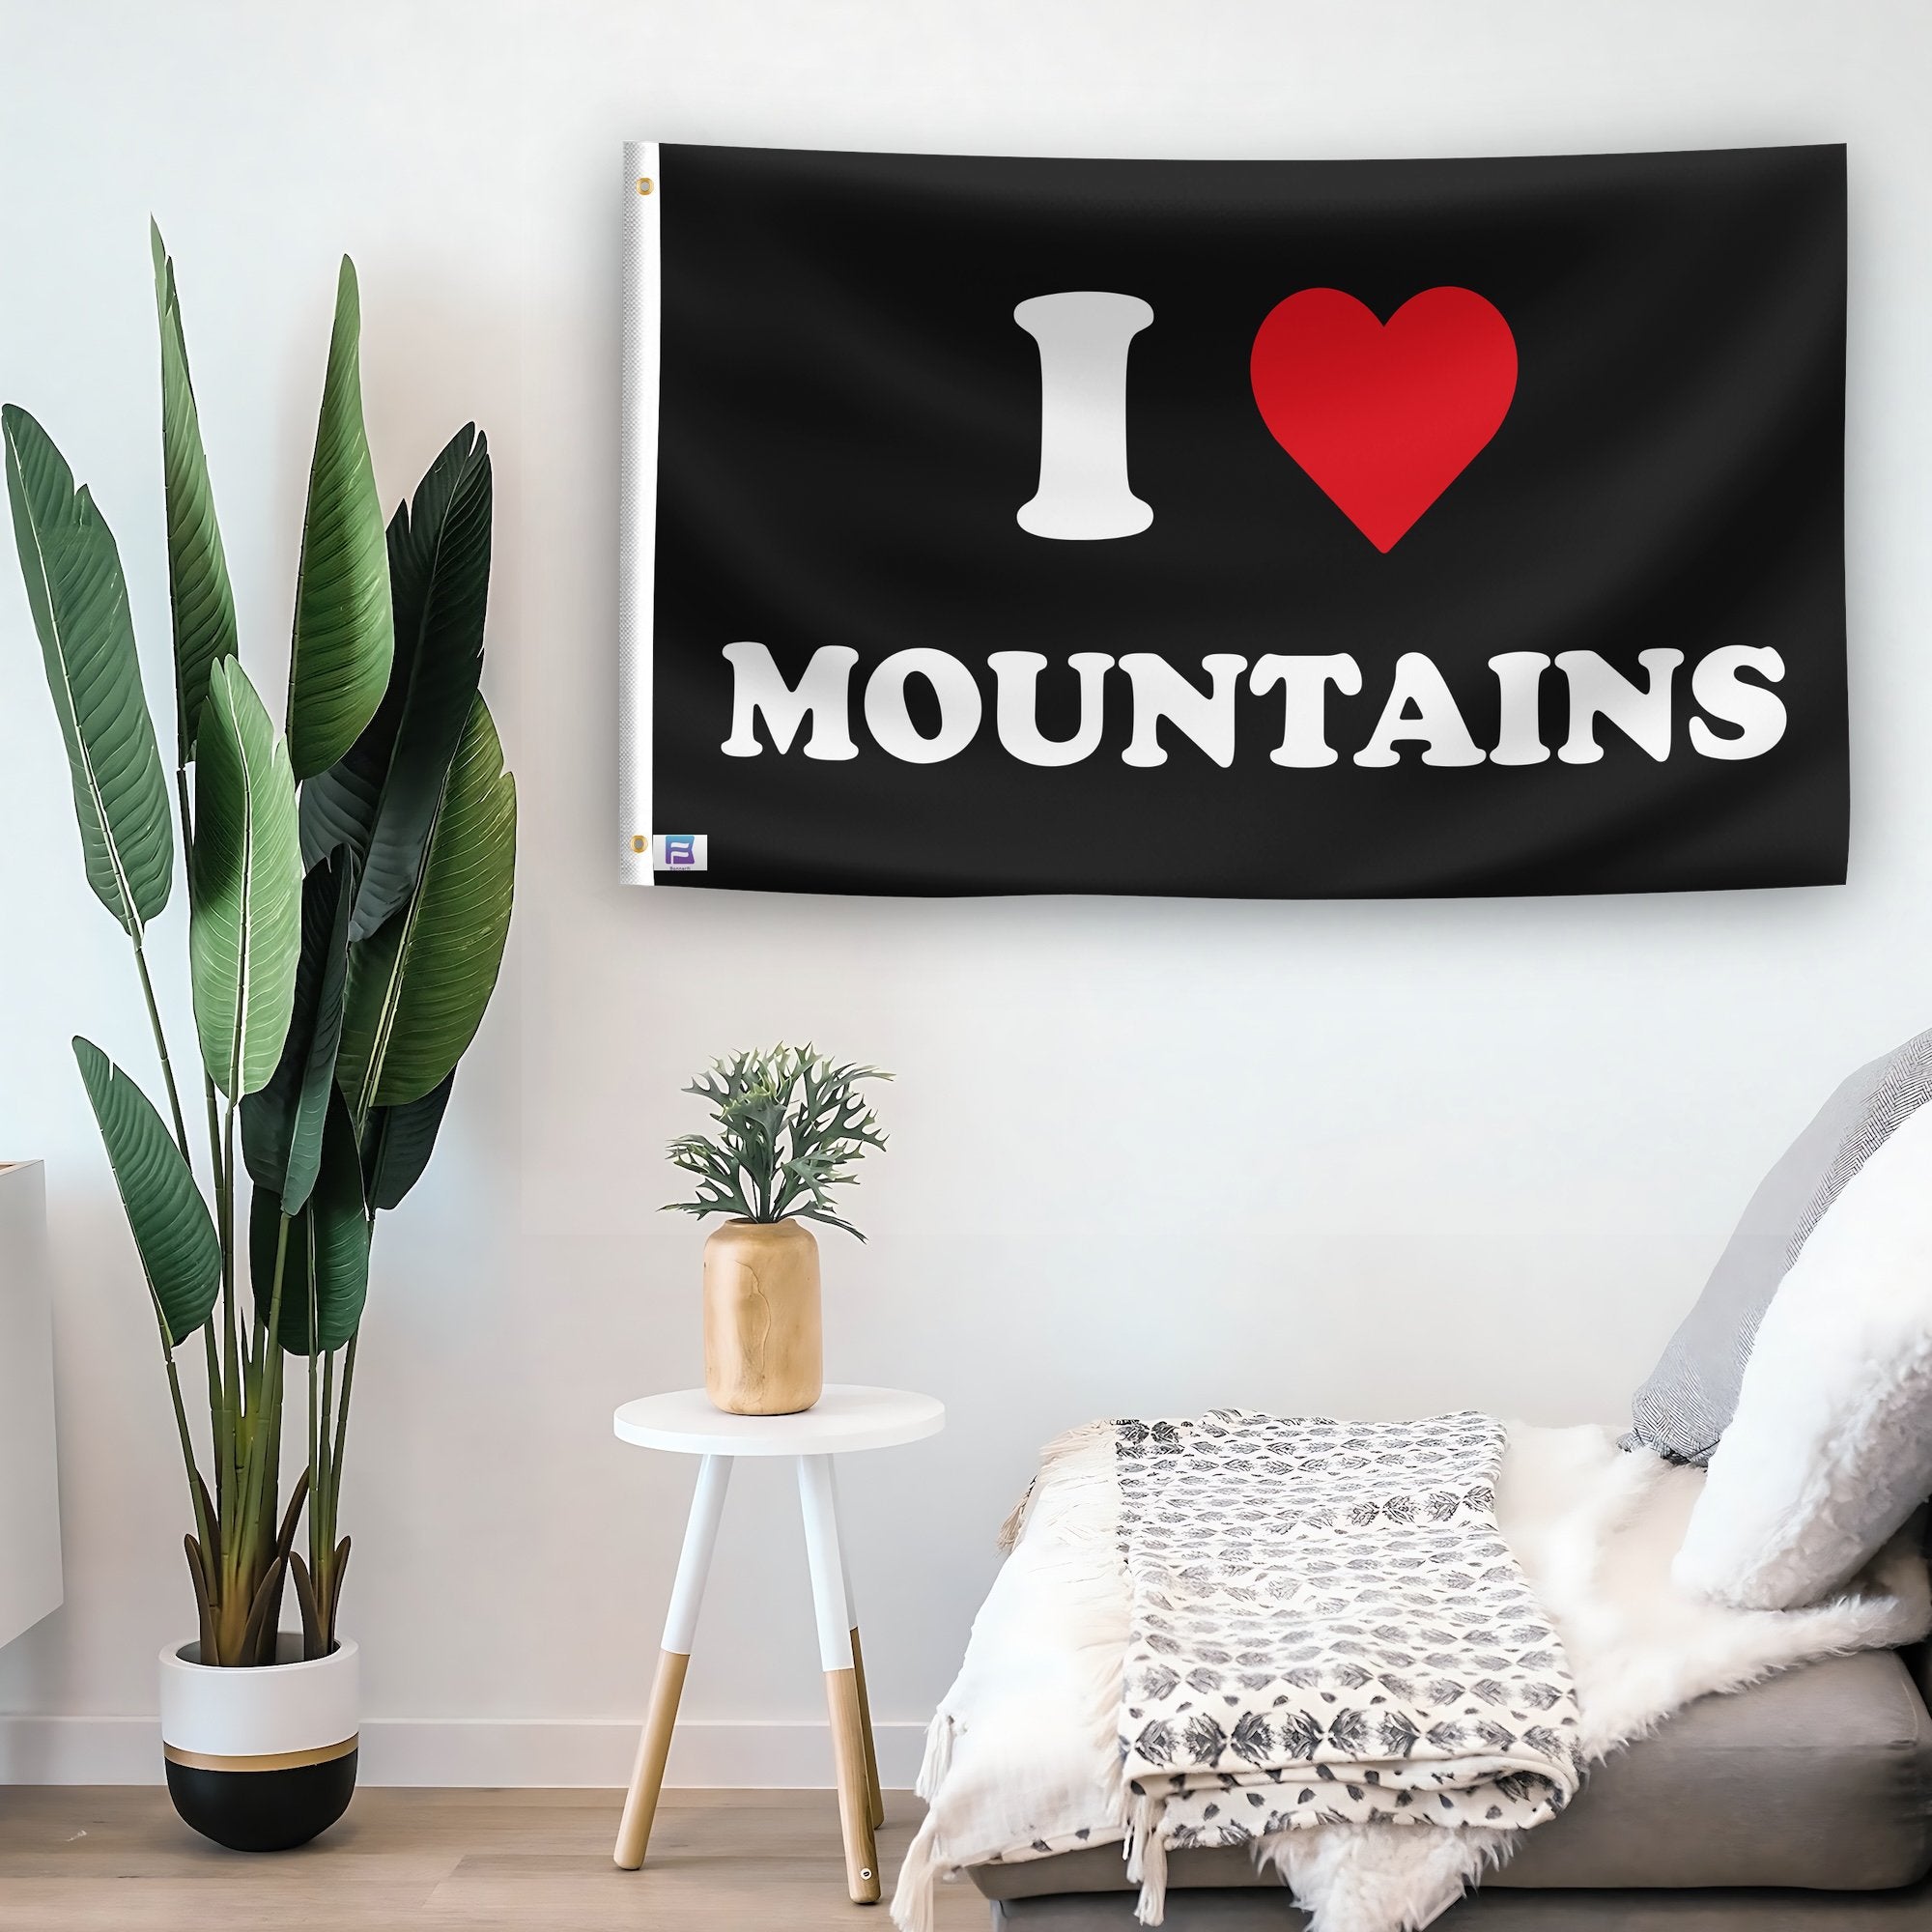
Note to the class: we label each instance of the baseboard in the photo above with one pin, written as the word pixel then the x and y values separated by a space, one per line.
pixel 478 1752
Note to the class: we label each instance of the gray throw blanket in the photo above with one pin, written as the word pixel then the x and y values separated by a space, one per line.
pixel 1326 1627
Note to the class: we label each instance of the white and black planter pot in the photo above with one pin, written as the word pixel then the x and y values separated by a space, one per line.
pixel 264 1759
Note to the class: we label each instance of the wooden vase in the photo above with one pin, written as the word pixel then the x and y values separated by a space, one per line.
pixel 765 1348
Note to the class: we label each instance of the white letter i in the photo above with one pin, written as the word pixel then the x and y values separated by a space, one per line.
pixel 1084 336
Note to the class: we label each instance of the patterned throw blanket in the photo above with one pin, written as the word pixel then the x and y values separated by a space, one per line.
pixel 1326 1627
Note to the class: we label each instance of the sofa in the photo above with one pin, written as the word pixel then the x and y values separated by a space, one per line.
pixel 1802 1805
pixel 1802 1382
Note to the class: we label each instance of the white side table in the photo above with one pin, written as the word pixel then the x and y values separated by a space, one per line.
pixel 845 1418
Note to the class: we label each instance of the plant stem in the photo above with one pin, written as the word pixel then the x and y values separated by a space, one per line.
pixel 316 1433
pixel 194 1488
pixel 321 1520
pixel 218 1433
pixel 215 1434
pixel 230 1360
pixel 243 1567
pixel 341 1426
pixel 322 1528
pixel 234 1420
pixel 162 1048
pixel 267 1407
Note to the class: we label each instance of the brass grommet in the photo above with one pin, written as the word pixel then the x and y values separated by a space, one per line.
pixel 643 183
pixel 638 843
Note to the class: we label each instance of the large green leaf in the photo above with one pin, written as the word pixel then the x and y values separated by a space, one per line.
pixel 418 987
pixel 245 882
pixel 326 1264
pixel 79 601
pixel 198 589
pixel 398 1142
pixel 379 799
pixel 173 1234
pixel 281 1125
pixel 344 635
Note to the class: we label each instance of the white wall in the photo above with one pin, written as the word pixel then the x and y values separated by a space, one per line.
pixel 1147 1156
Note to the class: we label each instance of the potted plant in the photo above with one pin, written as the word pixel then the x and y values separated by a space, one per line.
pixel 349 885
pixel 790 1126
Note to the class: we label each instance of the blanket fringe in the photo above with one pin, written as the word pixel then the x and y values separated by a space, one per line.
pixel 1062 1446
pixel 938 1758
pixel 912 1899
pixel 1015 1521
pixel 1147 1857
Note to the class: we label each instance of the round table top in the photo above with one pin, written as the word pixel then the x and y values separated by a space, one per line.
pixel 845 1417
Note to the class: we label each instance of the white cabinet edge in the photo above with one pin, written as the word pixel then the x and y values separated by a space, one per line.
pixel 30 1552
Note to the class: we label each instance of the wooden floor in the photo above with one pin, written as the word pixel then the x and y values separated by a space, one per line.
pixel 75 1859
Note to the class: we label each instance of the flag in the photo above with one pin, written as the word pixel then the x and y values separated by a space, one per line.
pixel 1240 528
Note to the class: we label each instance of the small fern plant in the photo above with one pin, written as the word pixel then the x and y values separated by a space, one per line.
pixel 791 1125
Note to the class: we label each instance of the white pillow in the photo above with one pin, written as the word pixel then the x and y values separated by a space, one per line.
pixel 1830 1449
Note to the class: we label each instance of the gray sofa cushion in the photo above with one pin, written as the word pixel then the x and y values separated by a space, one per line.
pixel 1820 1779
pixel 1692 1393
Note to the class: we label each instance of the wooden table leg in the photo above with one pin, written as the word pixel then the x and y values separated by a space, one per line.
pixel 694 1564
pixel 877 1797
pixel 855 1804
pixel 819 1509
pixel 874 1796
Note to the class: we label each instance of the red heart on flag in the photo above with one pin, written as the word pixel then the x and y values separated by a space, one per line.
pixel 1383 416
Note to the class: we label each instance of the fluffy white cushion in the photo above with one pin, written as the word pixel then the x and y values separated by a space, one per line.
pixel 1830 1449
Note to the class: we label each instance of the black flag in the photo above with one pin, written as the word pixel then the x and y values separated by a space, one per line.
pixel 1308 530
